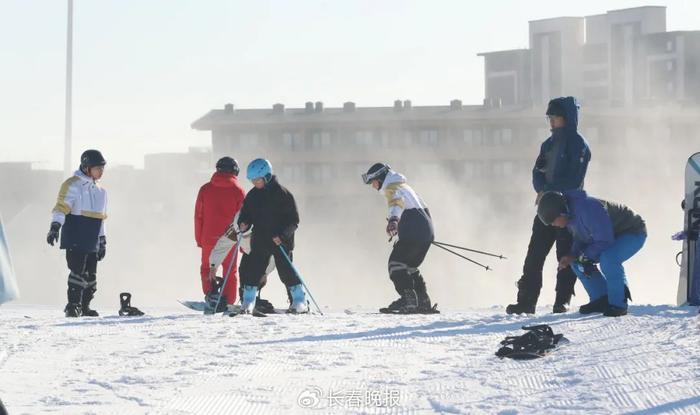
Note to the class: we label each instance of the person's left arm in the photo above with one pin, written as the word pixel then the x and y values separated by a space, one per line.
pixel 291 215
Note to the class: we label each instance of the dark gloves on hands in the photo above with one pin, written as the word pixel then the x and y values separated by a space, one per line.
pixel 102 248
pixel 589 268
pixel 52 236
pixel 392 228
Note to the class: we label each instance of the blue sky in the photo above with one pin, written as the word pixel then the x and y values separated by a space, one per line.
pixel 145 69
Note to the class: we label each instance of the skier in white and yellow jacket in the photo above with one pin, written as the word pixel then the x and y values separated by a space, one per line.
pixel 410 220
pixel 80 212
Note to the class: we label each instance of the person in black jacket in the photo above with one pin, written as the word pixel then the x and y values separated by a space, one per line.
pixel 270 211
pixel 561 166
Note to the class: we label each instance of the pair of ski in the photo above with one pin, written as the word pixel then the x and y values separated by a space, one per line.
pixel 387 310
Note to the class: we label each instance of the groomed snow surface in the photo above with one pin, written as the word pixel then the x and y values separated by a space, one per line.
pixel 174 361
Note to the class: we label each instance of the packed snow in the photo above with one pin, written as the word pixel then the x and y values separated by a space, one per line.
pixel 175 361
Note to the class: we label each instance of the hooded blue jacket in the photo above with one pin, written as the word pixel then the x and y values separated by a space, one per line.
pixel 563 159
pixel 595 223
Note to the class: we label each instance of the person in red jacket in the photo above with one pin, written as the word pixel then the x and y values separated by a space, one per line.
pixel 217 204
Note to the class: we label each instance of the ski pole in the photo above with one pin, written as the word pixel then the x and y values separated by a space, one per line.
pixel 463 257
pixel 470 250
pixel 296 271
pixel 230 267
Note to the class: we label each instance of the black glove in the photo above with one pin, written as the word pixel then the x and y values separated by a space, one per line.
pixel 102 248
pixel 52 236
pixel 288 232
pixel 392 228
pixel 589 268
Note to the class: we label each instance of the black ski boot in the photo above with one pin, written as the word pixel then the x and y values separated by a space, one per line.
pixel 264 306
pixel 89 312
pixel 425 306
pixel 87 296
pixel 394 307
pixel 598 305
pixel 410 302
pixel 519 308
pixel 526 302
pixel 613 311
pixel 561 303
pixel 73 310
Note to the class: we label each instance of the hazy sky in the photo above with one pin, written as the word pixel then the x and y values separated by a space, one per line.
pixel 145 69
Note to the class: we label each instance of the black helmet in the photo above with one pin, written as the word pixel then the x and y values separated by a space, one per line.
pixel 378 171
pixel 551 206
pixel 227 165
pixel 91 158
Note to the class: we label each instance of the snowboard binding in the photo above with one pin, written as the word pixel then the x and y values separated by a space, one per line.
pixel 126 308
pixel 214 301
pixel 537 342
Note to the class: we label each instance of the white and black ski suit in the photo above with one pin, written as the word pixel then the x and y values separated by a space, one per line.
pixel 415 233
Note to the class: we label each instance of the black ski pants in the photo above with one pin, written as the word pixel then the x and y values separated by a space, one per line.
pixel 404 261
pixel 82 280
pixel 541 242
pixel 254 264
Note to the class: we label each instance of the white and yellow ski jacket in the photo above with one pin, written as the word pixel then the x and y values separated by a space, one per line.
pixel 81 208
pixel 404 203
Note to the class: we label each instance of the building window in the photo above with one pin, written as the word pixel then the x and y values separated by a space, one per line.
pixel 407 138
pixel 320 173
pixel 428 138
pixel 669 65
pixel 364 138
pixel 506 136
pixel 321 139
pixel 292 172
pixel 385 139
pixel 473 138
pixel 248 140
pixel 669 46
pixel 293 141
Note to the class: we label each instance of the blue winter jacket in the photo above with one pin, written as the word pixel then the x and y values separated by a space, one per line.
pixel 595 223
pixel 563 159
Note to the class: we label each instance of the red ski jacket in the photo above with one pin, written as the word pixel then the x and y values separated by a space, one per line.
pixel 217 204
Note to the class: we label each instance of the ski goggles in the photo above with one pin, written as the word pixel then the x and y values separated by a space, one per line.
pixel 368 177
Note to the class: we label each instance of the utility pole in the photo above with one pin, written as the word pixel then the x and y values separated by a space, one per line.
pixel 67 164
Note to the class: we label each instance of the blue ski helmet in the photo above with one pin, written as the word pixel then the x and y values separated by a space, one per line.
pixel 259 168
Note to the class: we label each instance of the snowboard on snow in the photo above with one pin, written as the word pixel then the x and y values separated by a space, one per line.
pixel 200 306
pixel 203 307
pixel 689 281
pixel 194 305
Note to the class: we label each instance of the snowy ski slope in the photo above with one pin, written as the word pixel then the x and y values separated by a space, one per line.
pixel 177 362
